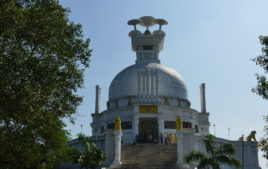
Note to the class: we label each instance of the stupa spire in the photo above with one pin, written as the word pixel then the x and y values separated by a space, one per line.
pixel 147 45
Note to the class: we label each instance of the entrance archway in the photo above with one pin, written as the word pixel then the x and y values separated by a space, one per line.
pixel 148 130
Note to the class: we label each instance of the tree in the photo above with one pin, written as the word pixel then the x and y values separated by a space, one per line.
pixel 42 59
pixel 262 61
pixel 262 89
pixel 215 155
pixel 92 156
pixel 263 143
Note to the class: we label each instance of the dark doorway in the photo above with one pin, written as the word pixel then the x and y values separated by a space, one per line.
pixel 148 130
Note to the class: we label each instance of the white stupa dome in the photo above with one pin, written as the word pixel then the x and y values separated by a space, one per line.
pixel 170 82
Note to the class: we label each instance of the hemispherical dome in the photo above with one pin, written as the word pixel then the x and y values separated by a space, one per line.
pixel 151 79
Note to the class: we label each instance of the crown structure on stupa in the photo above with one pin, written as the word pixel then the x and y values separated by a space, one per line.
pixel 147 44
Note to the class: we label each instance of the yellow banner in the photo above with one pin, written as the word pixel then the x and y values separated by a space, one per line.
pixel 148 109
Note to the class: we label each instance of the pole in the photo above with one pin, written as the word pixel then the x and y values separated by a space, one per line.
pixel 203 98
pixel 96 136
pixel 214 130
pixel 229 136
pixel 242 151
pixel 97 102
pixel 81 128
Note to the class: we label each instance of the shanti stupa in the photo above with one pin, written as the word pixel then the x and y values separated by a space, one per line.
pixel 147 98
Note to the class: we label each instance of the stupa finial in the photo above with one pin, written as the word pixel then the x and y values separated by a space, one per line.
pixel 147 21
pixel 147 45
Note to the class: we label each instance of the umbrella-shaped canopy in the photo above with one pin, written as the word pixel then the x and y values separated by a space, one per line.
pixel 133 22
pixel 161 22
pixel 147 21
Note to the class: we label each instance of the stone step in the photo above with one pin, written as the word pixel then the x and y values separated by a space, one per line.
pixel 147 162
pixel 148 156
pixel 144 167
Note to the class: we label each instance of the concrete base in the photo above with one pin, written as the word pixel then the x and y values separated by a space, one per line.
pixel 179 165
pixel 184 166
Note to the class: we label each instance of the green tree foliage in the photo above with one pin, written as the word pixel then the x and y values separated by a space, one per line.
pixel 215 155
pixel 262 88
pixel 42 59
pixel 92 156
pixel 262 61
pixel 263 143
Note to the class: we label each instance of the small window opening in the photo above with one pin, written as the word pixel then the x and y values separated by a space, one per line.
pixel 186 124
pixel 147 47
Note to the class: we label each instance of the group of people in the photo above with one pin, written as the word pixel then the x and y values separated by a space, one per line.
pixel 155 139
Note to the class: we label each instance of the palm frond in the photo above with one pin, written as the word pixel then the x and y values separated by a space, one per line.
pixel 228 160
pixel 205 163
pixel 235 162
pixel 227 149
pixel 194 156
pixel 210 143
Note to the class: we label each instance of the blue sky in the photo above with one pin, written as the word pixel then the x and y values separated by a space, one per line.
pixel 208 41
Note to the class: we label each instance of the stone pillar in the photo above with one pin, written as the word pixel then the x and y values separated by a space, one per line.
pixel 203 98
pixel 192 140
pixel 117 140
pixel 97 105
pixel 179 135
pixel 160 125
pixel 109 144
pixel 136 126
pixel 161 133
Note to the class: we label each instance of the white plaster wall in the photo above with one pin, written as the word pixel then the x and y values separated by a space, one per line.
pixel 191 141
pixel 109 147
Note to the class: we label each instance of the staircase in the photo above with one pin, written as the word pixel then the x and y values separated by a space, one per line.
pixel 148 156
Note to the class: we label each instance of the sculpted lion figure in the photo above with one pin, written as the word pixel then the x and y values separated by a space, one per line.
pixel 251 136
